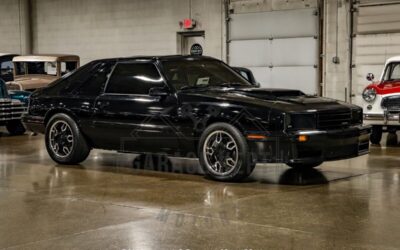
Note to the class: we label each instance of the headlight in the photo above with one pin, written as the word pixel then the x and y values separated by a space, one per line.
pixel 369 95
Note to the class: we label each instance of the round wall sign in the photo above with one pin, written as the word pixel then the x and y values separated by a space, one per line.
pixel 196 50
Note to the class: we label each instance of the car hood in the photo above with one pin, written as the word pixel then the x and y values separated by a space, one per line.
pixel 31 82
pixel 278 99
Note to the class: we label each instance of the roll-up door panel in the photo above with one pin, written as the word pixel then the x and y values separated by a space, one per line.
pixel 280 47
pixel 277 52
pixel 377 2
pixel 275 24
pixel 250 53
pixel 295 52
pixel 302 78
pixel 378 19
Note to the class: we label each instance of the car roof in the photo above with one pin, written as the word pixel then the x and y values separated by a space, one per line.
pixel 7 54
pixel 393 59
pixel 47 58
pixel 160 58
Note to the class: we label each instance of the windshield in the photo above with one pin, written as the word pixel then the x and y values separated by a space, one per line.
pixel 44 68
pixel 392 72
pixel 185 74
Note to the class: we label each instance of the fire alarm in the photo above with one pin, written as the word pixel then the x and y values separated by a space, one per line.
pixel 188 23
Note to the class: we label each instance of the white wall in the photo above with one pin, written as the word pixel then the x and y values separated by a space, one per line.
pixel 14 32
pixel 336 77
pixel 96 29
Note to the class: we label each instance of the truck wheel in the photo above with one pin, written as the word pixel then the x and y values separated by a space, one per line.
pixel 15 127
pixel 304 165
pixel 376 135
pixel 64 141
pixel 224 153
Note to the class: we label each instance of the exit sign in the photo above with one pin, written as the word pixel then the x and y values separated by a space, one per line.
pixel 188 23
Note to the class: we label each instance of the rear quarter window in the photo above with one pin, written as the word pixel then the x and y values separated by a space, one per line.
pixel 134 78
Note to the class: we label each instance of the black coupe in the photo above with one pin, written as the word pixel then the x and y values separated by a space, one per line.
pixel 189 106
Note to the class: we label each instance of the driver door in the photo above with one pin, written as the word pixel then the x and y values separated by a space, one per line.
pixel 128 118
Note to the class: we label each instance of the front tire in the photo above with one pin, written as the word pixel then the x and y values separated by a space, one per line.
pixel 376 135
pixel 304 165
pixel 64 141
pixel 224 153
pixel 15 127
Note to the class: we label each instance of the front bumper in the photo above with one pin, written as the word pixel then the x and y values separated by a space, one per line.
pixel 327 145
pixel 385 119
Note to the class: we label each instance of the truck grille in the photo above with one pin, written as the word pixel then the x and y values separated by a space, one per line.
pixel 391 102
pixel 11 110
pixel 334 119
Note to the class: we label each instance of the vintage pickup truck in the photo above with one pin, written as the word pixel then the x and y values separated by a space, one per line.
pixel 37 71
pixel 382 101
pixel 12 106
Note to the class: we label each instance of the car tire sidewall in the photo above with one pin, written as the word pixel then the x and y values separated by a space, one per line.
pixel 244 166
pixel 75 132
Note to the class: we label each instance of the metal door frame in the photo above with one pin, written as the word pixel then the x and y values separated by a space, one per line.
pixel 185 34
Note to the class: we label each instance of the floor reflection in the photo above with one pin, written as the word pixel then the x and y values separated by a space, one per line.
pixel 285 176
pixel 151 165
pixel 302 177
pixel 152 162
pixel 162 163
pixel 392 140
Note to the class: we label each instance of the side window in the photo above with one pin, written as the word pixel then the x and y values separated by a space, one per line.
pixel 20 68
pixel 134 78
pixel 7 68
pixel 68 84
pixel 67 67
pixel 94 85
pixel 395 72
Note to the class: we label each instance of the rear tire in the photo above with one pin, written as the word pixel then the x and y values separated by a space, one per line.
pixel 15 127
pixel 64 141
pixel 304 165
pixel 224 153
pixel 376 135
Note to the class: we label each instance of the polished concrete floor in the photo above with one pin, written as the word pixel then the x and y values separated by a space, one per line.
pixel 116 201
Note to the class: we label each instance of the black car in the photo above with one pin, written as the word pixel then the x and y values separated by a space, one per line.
pixel 189 106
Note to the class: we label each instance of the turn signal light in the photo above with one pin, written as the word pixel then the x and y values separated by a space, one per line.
pixel 256 137
pixel 303 138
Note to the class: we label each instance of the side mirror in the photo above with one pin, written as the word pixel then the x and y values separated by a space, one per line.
pixel 370 77
pixel 158 91
pixel 257 84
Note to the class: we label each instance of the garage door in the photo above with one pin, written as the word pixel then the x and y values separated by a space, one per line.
pixel 377 29
pixel 280 47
